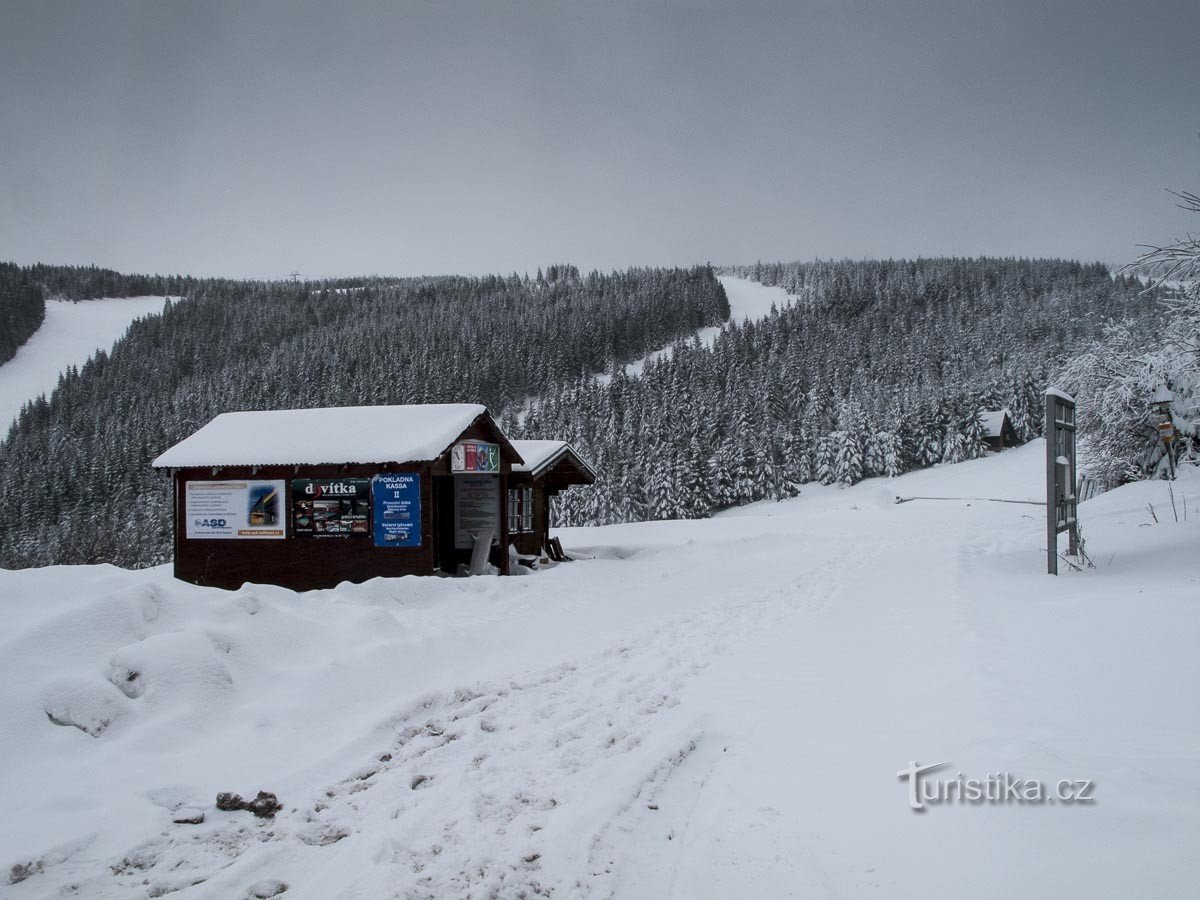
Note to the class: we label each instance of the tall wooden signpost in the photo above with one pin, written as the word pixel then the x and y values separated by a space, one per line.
pixel 1062 507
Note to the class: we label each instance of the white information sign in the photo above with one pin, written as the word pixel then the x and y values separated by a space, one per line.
pixel 234 509
pixel 476 508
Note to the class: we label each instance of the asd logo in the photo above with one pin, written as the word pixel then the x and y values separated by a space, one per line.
pixel 209 523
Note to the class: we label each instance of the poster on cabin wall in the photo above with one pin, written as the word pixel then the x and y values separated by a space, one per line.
pixel 475 456
pixel 234 509
pixel 476 508
pixel 331 507
pixel 396 505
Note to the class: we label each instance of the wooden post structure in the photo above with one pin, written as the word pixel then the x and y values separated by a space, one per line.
pixel 1062 503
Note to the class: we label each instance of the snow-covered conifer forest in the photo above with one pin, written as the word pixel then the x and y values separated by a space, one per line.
pixel 870 368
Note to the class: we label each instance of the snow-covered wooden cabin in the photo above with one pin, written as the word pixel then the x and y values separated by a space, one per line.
pixel 309 498
pixel 549 467
pixel 998 428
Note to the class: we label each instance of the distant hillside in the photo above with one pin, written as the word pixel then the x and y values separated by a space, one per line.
pixel 77 465
pixel 876 368
pixel 70 333
pixel 92 282
pixel 24 291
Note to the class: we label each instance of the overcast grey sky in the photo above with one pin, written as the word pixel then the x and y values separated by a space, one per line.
pixel 258 138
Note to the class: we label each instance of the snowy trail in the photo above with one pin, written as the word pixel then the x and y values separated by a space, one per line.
pixel 540 763
pixel 707 709
pixel 70 334
pixel 747 300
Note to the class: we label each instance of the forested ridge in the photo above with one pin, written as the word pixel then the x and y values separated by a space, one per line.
pixel 876 368
pixel 873 368
pixel 24 291
pixel 93 282
pixel 77 465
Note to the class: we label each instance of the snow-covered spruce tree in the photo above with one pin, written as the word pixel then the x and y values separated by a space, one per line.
pixel 696 482
pixel 798 462
pixel 662 493
pixel 1116 377
pixel 1114 381
pixel 929 443
pixel 825 460
pixel 882 454
pixel 974 442
pixel 745 474
pixel 954 446
pixel 848 461
pixel 873 451
pixel 1021 410
pixel 722 466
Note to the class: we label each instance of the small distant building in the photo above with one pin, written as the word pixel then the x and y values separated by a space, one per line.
pixel 308 498
pixel 549 467
pixel 998 429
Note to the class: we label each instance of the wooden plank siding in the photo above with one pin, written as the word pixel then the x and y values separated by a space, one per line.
pixel 559 477
pixel 307 563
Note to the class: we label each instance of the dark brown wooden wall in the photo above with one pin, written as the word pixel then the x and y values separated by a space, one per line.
pixel 300 563
pixel 308 563
pixel 531 543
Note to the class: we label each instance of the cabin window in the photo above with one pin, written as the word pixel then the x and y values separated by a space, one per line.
pixel 520 509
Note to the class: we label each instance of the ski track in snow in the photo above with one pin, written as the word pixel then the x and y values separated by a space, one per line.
pixel 747 300
pixel 70 334
pixel 505 764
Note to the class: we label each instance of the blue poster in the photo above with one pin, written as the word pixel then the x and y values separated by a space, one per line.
pixel 396 509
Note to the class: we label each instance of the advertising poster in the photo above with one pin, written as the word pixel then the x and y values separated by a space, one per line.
pixel 476 508
pixel 331 507
pixel 475 456
pixel 396 504
pixel 234 509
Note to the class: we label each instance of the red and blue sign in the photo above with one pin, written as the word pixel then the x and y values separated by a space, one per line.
pixel 476 457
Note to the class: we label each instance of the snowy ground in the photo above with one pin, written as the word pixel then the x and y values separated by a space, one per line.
pixel 70 334
pixel 747 300
pixel 705 709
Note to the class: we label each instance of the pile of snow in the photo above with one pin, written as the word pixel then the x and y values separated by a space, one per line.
pixel 700 709
pixel 69 336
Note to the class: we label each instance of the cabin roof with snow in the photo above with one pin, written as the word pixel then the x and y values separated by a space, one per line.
pixel 346 434
pixel 543 456
pixel 993 421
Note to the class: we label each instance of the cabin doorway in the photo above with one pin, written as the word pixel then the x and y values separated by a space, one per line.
pixel 445 559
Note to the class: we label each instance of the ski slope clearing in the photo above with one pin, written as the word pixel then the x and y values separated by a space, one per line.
pixel 747 300
pixel 71 333
pixel 704 709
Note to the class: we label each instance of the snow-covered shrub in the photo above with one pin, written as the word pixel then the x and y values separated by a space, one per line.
pixel 1114 381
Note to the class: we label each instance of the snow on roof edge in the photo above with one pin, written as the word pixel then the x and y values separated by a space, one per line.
pixel 993 420
pixel 325 435
pixel 544 453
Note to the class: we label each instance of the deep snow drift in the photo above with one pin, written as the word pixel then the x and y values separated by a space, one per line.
pixel 70 334
pixel 704 709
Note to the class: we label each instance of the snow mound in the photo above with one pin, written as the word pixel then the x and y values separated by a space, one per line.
pixel 89 705
pixel 705 708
